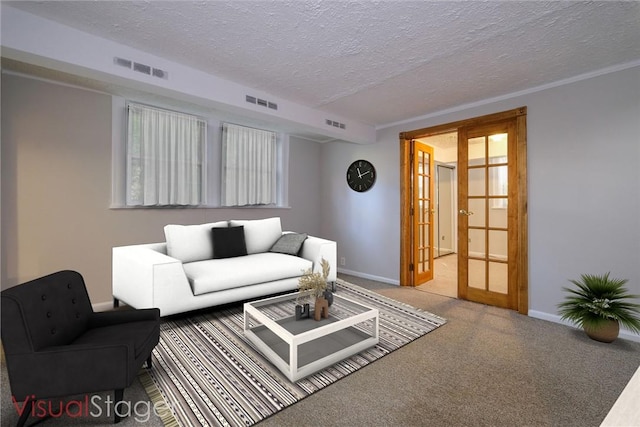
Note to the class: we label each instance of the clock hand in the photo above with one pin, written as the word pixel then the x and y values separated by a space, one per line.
pixel 364 174
pixel 359 174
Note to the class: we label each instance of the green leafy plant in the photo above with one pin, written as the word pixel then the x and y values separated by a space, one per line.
pixel 313 284
pixel 598 299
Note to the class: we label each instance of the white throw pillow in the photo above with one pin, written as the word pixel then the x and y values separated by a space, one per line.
pixel 259 234
pixel 190 243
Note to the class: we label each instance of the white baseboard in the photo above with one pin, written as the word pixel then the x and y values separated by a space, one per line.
pixel 369 276
pixel 624 333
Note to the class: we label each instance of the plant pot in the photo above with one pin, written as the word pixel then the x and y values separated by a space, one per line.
pixel 608 332
pixel 328 295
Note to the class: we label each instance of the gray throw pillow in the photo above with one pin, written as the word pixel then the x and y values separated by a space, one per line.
pixel 289 243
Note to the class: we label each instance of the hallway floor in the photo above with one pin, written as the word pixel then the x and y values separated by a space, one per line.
pixel 445 277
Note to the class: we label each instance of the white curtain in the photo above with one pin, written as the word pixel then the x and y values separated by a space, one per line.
pixel 164 157
pixel 249 168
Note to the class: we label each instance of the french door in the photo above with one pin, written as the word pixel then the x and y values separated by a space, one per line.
pixel 423 210
pixel 492 210
pixel 487 203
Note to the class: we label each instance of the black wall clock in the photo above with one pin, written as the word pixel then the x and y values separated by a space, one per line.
pixel 361 175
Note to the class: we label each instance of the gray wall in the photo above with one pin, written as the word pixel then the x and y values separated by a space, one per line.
pixel 56 188
pixel 584 187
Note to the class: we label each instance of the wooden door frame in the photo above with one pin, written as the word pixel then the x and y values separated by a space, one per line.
pixel 406 223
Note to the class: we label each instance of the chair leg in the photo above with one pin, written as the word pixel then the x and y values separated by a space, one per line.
pixel 26 411
pixel 116 303
pixel 118 396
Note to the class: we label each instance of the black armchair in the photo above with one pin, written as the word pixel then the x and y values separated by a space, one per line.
pixel 56 345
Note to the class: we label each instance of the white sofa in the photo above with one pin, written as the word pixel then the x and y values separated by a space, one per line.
pixel 193 269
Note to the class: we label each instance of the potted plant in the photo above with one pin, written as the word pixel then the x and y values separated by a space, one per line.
pixel 314 285
pixel 600 305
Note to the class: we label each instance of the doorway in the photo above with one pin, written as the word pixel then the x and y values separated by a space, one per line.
pixel 445 219
pixel 443 279
pixel 491 228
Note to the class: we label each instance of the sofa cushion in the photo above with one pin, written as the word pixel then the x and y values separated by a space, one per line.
pixel 219 274
pixel 259 234
pixel 228 242
pixel 289 243
pixel 190 243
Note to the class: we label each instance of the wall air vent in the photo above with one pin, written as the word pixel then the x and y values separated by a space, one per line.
pixel 335 124
pixel 261 102
pixel 157 72
pixel 122 62
pixel 141 68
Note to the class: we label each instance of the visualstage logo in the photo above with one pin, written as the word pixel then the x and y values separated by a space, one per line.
pixel 95 406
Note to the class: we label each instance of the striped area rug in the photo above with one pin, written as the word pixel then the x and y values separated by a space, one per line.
pixel 208 374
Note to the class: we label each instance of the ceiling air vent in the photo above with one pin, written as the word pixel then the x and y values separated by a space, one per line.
pixel 335 124
pixel 261 102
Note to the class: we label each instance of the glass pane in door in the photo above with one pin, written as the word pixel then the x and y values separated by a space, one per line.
pixel 498 245
pixel 477 243
pixel 497 214
pixel 476 212
pixel 477 275
pixel 498 181
pixel 477 185
pixel 477 151
pixel 498 145
pixel 499 277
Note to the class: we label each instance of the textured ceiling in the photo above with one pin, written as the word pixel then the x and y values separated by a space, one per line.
pixel 378 62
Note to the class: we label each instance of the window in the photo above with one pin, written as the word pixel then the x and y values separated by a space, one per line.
pixel 162 159
pixel 165 157
pixel 249 166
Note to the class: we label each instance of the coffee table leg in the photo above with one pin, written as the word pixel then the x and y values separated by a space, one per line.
pixel 377 327
pixel 293 360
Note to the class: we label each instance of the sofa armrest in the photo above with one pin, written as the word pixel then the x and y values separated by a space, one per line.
pixel 144 277
pixel 315 249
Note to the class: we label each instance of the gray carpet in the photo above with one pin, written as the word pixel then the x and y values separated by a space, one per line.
pixel 486 367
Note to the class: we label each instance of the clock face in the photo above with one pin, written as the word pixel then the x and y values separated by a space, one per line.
pixel 361 175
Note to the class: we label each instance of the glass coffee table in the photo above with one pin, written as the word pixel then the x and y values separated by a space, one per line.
pixel 299 348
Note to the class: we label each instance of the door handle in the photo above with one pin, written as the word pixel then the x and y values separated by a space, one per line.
pixel 467 213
